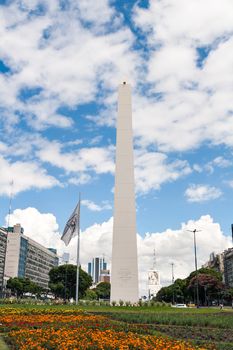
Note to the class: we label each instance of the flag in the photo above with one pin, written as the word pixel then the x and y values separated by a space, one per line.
pixel 72 225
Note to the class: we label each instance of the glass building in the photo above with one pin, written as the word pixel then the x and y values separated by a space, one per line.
pixel 95 267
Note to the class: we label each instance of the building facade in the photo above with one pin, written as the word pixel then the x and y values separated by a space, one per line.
pixel 105 276
pixel 95 267
pixel 27 258
pixel 216 262
pixel 228 267
pixel 3 242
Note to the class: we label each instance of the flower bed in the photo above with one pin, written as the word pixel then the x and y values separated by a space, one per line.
pixel 73 329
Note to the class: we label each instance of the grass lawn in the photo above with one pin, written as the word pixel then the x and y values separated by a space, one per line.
pixel 204 328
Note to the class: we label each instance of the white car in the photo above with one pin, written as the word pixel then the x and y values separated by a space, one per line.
pixel 180 305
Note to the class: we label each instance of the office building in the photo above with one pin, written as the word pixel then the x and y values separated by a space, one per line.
pixel 228 267
pixel 216 262
pixel 105 276
pixel 3 242
pixel 27 258
pixel 95 267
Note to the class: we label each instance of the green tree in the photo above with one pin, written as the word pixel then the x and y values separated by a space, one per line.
pixel 21 285
pixel 103 290
pixel 227 295
pixel 90 294
pixel 165 294
pixel 57 289
pixel 183 289
pixel 62 281
pixel 16 286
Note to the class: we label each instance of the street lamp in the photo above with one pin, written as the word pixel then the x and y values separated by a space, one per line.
pixel 195 255
pixel 206 286
pixel 173 297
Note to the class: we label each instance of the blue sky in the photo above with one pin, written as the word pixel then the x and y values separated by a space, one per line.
pixel 60 66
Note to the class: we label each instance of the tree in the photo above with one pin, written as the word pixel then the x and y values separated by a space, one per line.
pixel 165 294
pixel 205 271
pixel 209 286
pixel 21 285
pixel 62 281
pixel 183 289
pixel 227 295
pixel 103 290
pixel 90 294
pixel 16 286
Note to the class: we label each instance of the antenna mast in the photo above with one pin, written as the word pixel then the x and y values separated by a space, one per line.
pixel 154 260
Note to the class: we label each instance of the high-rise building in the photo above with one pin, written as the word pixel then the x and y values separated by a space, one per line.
pixel 216 262
pixel 27 258
pixel 124 272
pixel 95 267
pixel 105 276
pixel 3 242
pixel 228 267
pixel 64 259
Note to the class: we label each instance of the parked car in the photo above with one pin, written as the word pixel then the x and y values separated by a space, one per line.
pixel 179 305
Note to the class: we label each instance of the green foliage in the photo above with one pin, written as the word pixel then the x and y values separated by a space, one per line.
pixel 205 271
pixel 182 291
pixel 103 290
pixel 62 281
pixel 90 294
pixel 21 285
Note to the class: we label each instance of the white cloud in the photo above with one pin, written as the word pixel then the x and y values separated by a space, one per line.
pixel 201 193
pixel 41 227
pixel 219 162
pixel 80 180
pixel 172 245
pixel 97 12
pixel 193 20
pixel 56 54
pixel 26 175
pixel 82 164
pixel 95 159
pixel 63 56
pixel 96 207
pixel 194 104
pixel 222 162
pixel 230 183
pixel 152 169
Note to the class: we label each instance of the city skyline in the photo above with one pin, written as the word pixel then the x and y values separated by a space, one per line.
pixel 60 66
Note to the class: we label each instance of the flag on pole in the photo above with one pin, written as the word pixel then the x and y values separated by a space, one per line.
pixel 72 225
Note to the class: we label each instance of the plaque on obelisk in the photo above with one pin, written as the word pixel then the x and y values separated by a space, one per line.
pixel 124 272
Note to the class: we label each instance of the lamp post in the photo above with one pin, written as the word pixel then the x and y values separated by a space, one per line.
pixel 205 289
pixel 65 282
pixel 195 257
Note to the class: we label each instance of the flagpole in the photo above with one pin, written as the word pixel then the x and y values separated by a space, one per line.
pixel 78 245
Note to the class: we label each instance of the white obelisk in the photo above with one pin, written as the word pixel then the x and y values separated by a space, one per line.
pixel 124 274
